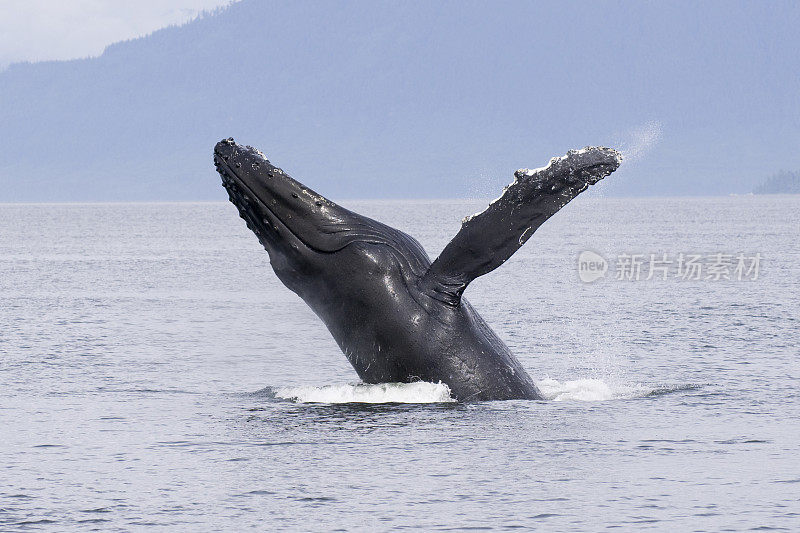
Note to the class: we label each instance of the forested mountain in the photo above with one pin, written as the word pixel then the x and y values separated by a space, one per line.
pixel 411 99
pixel 780 183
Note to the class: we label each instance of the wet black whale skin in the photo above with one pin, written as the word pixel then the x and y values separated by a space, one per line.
pixel 396 316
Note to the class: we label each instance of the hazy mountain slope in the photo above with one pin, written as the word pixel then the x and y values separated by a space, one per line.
pixel 783 182
pixel 410 99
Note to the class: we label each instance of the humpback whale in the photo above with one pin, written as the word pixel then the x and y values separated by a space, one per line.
pixel 397 316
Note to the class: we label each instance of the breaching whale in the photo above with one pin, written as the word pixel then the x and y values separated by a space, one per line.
pixel 396 316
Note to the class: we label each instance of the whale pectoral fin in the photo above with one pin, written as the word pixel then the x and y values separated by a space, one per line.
pixel 487 239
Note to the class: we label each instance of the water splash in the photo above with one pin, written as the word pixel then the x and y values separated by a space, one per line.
pixel 636 143
pixel 598 390
pixel 590 390
pixel 485 185
pixel 418 392
pixel 577 390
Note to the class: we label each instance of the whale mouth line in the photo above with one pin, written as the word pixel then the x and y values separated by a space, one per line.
pixel 235 180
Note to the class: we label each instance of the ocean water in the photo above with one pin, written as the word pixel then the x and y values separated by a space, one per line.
pixel 155 375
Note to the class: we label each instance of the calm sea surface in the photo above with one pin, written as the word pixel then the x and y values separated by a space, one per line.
pixel 155 374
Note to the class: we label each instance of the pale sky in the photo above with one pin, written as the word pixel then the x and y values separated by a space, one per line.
pixel 37 30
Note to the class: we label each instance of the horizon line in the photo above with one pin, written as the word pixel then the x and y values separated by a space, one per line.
pixel 387 200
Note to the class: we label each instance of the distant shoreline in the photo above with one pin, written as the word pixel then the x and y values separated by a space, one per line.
pixel 397 200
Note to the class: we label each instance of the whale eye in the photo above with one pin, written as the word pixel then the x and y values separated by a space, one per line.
pixel 318 203
pixel 294 195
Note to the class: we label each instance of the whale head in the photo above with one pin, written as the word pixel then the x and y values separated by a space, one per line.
pixel 304 232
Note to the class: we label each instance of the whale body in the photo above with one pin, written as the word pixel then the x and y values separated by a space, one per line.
pixel 397 316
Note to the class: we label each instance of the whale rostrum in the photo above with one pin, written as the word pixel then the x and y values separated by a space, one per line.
pixel 397 316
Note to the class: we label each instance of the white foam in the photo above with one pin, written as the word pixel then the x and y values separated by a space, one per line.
pixel 589 390
pixel 577 390
pixel 418 392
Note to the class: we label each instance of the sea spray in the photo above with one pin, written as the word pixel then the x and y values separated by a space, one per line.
pixel 590 390
pixel 578 390
pixel 636 143
pixel 417 392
